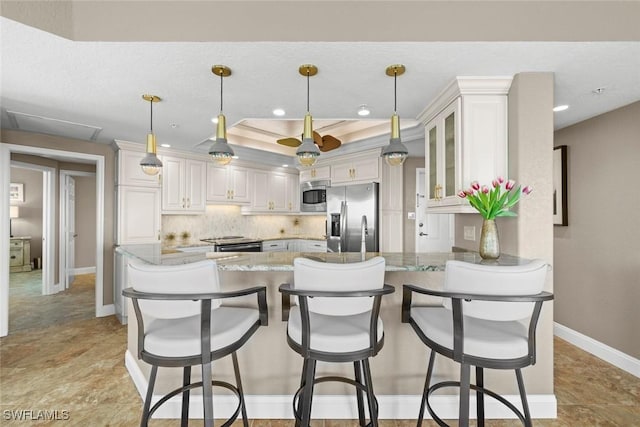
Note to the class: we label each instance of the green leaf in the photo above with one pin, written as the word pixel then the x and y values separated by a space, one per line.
pixel 506 213
pixel 514 197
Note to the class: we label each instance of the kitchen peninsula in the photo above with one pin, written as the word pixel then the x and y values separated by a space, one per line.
pixel 271 371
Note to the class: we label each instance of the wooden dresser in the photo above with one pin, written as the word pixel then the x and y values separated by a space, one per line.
pixel 20 254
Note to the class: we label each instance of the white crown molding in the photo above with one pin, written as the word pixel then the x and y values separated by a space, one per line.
pixel 465 85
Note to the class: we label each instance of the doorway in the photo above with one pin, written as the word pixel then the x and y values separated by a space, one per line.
pixel 50 238
pixel 434 232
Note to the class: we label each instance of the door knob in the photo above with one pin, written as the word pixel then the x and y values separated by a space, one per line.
pixel 420 225
pixel 422 234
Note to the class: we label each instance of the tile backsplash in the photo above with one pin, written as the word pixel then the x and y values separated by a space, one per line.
pixel 228 221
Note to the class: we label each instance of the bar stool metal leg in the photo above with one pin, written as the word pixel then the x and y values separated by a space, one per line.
pixel 243 408
pixel 523 397
pixel 307 392
pixel 480 396
pixel 463 415
pixel 358 376
pixel 186 380
pixel 207 398
pixel 425 393
pixel 373 411
pixel 147 401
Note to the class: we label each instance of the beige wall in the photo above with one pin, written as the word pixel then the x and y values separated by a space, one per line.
pixel 78 146
pixel 530 235
pixel 30 221
pixel 597 256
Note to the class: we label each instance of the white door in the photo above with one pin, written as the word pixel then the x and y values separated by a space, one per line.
pixel 434 232
pixel 70 229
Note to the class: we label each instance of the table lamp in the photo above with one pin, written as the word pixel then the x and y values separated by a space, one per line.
pixel 14 212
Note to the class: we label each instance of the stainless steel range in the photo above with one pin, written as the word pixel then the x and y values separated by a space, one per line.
pixel 235 244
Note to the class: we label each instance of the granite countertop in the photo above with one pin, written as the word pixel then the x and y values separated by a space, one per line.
pixel 283 261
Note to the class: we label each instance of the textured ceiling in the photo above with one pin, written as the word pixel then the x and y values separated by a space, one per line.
pixel 100 83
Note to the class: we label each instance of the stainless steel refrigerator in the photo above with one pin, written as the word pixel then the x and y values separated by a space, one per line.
pixel 352 218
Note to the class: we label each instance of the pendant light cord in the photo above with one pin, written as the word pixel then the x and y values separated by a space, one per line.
pixel 395 90
pixel 307 90
pixel 151 127
pixel 221 83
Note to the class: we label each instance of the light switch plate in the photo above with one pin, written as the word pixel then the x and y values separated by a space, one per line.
pixel 411 215
pixel 469 233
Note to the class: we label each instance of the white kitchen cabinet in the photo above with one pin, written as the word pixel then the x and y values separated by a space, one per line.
pixel 275 246
pixel 227 184
pixel 130 172
pixel 315 173
pixel 274 192
pixel 183 185
pixel 138 215
pixel 306 245
pixel 356 169
pixel 465 140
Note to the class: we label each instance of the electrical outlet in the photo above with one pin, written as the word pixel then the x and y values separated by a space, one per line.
pixel 411 215
pixel 469 233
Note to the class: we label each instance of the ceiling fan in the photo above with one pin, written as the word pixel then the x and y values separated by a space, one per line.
pixel 325 143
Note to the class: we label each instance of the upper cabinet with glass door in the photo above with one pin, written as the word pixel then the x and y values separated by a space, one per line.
pixel 465 139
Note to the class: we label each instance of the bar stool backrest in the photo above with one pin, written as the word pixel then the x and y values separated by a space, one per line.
pixel 322 276
pixel 194 278
pixel 526 279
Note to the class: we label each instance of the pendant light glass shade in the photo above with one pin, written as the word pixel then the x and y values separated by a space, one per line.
pixel 220 151
pixel 308 151
pixel 396 152
pixel 151 164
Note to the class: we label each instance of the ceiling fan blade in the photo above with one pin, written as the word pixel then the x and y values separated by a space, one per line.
pixel 289 142
pixel 329 143
pixel 317 139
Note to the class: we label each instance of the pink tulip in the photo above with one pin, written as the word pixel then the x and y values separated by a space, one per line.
pixel 500 179
pixel 495 183
pixel 527 190
pixel 510 184
pixel 485 189
pixel 462 194
pixel 475 185
pixel 469 192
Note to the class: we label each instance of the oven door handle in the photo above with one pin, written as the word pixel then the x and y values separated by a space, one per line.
pixel 232 248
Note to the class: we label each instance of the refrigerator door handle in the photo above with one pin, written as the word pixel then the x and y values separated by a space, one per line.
pixel 343 226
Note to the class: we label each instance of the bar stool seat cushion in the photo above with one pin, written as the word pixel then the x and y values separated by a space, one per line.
pixel 181 337
pixel 482 338
pixel 334 334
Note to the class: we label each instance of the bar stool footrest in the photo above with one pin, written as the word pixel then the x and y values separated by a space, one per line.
pixel 474 387
pixel 346 380
pixel 191 386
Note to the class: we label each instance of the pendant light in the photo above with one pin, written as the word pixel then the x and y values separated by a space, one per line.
pixel 220 151
pixel 308 151
pixel 151 164
pixel 396 152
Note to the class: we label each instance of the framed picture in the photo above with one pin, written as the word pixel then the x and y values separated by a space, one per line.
pixel 16 192
pixel 560 216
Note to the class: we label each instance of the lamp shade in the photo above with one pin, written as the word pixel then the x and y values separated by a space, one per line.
pixel 14 212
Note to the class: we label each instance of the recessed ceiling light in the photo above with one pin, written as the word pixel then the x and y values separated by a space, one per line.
pixel 214 119
pixel 279 112
pixel 364 110
pixel 285 166
pixel 173 125
pixel 560 108
pixel 599 91
pixel 165 145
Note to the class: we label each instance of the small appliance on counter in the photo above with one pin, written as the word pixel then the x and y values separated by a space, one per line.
pixel 352 218
pixel 235 244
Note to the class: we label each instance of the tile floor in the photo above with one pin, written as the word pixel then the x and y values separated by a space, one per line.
pixel 59 357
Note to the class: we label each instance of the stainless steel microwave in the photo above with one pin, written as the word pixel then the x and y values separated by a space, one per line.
pixel 313 196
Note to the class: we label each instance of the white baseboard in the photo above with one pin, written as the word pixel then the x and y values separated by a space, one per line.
pixel 106 310
pixel 598 349
pixel 83 270
pixel 336 407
